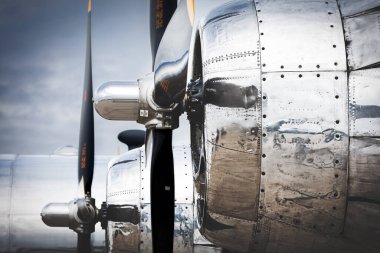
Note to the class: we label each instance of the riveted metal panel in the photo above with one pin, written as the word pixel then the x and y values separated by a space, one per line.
pixel 146 161
pixel 146 229
pixel 364 102
pixel 123 186
pixel 364 169
pixel 183 229
pixel 355 7
pixel 183 175
pixel 305 149
pixel 363 40
pixel 291 29
pixel 223 48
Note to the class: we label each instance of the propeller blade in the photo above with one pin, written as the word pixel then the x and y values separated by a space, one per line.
pixel 86 137
pixel 162 169
pixel 160 15
pixel 170 67
pixel 84 243
pixel 162 191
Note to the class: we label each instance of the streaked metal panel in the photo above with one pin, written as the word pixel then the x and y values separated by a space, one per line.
pixel 364 102
pixel 206 249
pixel 223 47
pixel 21 237
pixel 198 238
pixel 230 233
pixel 305 149
pixel 123 186
pixel 363 40
pixel 183 229
pixel 35 174
pixel 363 225
pixel 146 229
pixel 290 29
pixel 355 7
pixel 280 236
pixel 123 237
pixel 364 169
pixel 183 175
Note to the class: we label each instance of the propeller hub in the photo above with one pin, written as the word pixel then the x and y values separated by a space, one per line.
pixel 79 215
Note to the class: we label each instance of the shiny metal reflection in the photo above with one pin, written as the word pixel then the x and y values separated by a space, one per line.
pixel 118 101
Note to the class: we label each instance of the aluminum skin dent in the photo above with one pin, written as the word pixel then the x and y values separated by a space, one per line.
pixel 128 194
pixel 284 127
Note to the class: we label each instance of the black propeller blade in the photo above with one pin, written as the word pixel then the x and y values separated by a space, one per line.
pixel 162 169
pixel 162 191
pixel 164 34
pixel 86 140
pixel 86 137
pixel 160 14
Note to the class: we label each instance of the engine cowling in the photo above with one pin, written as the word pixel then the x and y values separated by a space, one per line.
pixel 279 121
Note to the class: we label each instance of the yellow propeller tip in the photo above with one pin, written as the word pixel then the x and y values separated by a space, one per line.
pixel 89 5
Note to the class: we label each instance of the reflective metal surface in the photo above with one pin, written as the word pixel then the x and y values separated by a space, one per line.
pixel 364 174
pixel 183 175
pixel 230 147
pixel 146 229
pixel 364 102
pixel 118 101
pixel 305 149
pixel 354 7
pixel 183 228
pixel 363 40
pixel 152 115
pixel 300 35
pixel 123 187
pixel 283 128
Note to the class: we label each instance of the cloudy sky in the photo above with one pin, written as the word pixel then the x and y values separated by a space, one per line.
pixel 42 50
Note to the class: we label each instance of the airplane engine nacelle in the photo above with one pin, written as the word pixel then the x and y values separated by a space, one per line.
pixel 129 226
pixel 284 125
